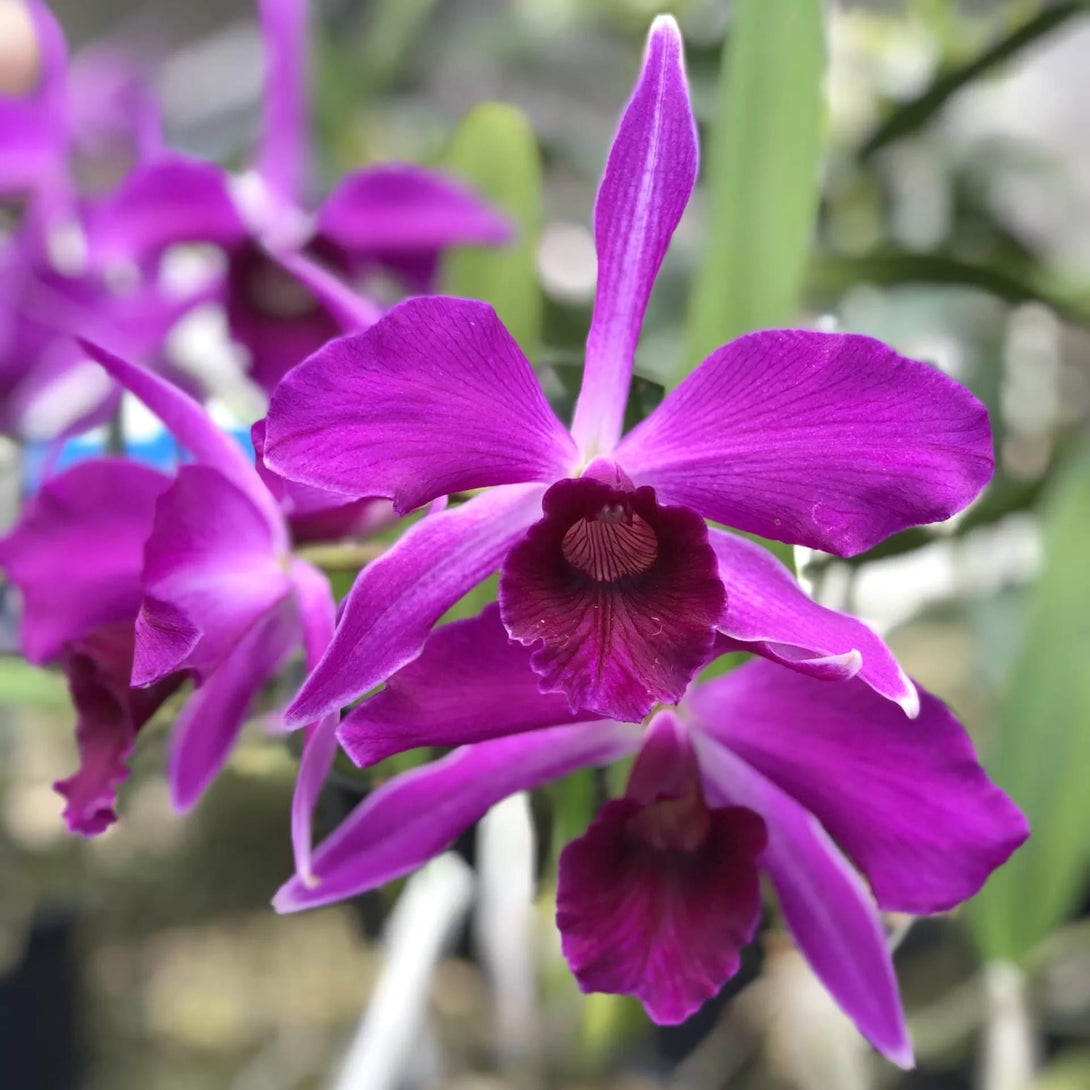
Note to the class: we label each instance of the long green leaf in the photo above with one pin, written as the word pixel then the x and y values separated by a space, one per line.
pixel 494 149
pixel 761 171
pixel 1042 745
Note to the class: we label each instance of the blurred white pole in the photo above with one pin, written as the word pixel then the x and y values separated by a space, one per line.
pixel 504 925
pixel 1010 1048
pixel 421 926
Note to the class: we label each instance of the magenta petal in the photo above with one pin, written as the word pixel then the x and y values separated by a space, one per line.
pixel 188 422
pixel 397 209
pixel 648 178
pixel 209 568
pixel 471 682
pixel 397 598
pixel 823 439
pixel 282 158
pixel 417 814
pixel 767 609
pixel 906 799
pixel 434 398
pixel 313 513
pixel 317 610
pixel 109 716
pixel 663 924
pixel 622 595
pixel 173 199
pixel 827 906
pixel 77 552
pixel 215 714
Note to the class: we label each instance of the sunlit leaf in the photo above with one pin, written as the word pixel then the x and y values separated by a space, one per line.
pixel 761 174
pixel 1041 750
pixel 495 150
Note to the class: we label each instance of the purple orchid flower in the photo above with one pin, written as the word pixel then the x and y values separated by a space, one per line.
pixel 828 789
pixel 223 599
pixel 608 567
pixel 76 556
pixel 52 286
pixel 48 388
pixel 397 216
pixel 190 576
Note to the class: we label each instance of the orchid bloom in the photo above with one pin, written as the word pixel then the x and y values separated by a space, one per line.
pixel 394 215
pixel 76 556
pixel 608 567
pixel 126 571
pixel 847 805
pixel 52 286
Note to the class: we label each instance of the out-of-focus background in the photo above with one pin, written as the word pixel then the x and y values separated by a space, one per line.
pixel 954 222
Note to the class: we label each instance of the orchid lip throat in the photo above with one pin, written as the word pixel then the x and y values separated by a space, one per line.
pixel 613 544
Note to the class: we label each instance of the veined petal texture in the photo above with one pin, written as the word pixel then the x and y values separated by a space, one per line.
pixel 434 398
pixel 471 682
pixel 417 814
pixel 768 610
pixel 906 799
pixel 648 178
pixel 826 904
pixel 828 440
pixel 397 598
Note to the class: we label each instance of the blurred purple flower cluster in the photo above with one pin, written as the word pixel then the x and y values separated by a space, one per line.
pixel 819 762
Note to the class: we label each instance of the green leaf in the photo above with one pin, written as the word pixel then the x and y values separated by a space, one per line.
pixel 494 149
pixel 1041 749
pixel 389 36
pixel 761 174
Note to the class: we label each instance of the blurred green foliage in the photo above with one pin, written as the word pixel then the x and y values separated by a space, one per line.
pixel 494 148
pixel 1041 750
pixel 760 175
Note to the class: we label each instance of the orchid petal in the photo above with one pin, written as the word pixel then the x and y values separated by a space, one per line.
pixel 822 439
pixel 78 550
pixel 215 714
pixel 109 714
pixel 191 425
pixel 471 682
pixel 210 571
pixel 170 200
pixel 315 514
pixel 825 903
pixel 908 801
pixel 283 133
pixel 648 178
pixel 397 598
pixel 417 814
pixel 398 209
pixel 317 612
pixel 662 923
pixel 767 608
pixel 434 398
